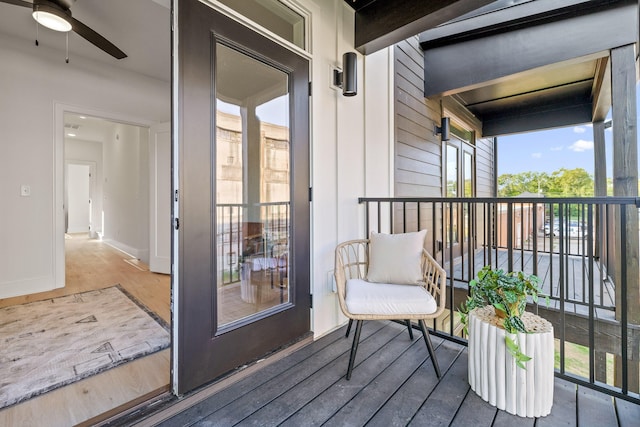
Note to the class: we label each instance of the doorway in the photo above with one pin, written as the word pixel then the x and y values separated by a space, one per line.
pixel 79 190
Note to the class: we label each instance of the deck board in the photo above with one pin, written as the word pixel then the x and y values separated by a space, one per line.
pixel 393 384
pixel 474 412
pixel 371 398
pixel 400 407
pixel 595 409
pixel 327 384
pixel 628 413
pixel 564 406
pixel 443 403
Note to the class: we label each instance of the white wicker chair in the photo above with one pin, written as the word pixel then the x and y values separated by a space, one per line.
pixel 352 262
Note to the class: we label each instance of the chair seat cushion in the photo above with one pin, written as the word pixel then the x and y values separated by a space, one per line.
pixel 386 299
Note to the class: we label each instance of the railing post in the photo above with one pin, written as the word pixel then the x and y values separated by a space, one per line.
pixel 510 235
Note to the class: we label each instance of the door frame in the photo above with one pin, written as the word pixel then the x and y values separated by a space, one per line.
pixel 59 175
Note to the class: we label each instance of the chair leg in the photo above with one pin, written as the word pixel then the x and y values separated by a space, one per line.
pixel 354 348
pixel 427 340
pixel 408 323
pixel 348 328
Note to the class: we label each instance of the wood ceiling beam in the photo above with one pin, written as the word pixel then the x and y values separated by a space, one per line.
pixel 383 23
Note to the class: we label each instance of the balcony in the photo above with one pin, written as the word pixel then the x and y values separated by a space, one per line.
pixel 394 383
pixel 591 281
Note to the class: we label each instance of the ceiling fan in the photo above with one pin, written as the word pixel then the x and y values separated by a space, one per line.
pixel 56 15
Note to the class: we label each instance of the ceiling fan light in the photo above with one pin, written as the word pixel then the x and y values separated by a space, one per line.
pixel 52 21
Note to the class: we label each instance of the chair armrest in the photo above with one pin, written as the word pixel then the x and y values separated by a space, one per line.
pixel 435 280
pixel 352 260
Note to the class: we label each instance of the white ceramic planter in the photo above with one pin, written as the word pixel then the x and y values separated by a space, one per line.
pixel 493 373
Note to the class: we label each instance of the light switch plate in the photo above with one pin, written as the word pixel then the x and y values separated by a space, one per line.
pixel 25 190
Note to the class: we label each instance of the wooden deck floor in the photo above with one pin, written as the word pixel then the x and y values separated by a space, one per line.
pixel 393 384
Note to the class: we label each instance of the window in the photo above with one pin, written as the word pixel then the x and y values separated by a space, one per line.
pixel 273 15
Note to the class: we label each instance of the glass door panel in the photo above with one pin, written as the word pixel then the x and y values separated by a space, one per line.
pixel 252 186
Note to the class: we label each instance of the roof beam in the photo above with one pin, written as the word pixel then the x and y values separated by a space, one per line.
pixel 564 112
pixel 472 62
pixel 380 24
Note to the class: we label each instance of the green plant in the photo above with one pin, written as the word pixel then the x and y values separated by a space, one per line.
pixel 507 292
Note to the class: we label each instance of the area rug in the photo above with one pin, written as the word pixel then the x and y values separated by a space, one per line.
pixel 48 344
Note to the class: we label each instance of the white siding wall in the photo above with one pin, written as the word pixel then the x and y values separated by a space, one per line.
pixel 350 148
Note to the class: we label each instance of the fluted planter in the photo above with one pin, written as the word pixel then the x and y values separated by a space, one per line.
pixel 493 374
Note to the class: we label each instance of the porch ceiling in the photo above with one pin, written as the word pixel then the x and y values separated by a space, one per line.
pixel 565 89
pixel 530 66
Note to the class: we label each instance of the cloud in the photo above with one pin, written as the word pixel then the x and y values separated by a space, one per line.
pixel 581 145
pixel 579 129
pixel 558 148
pixel 536 155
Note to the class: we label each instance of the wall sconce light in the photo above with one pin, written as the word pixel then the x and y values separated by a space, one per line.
pixel 347 79
pixel 443 129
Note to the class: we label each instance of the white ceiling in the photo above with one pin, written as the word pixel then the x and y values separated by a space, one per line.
pixel 86 128
pixel 141 28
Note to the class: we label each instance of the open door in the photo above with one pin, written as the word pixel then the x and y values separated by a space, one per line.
pixel 160 198
pixel 242 286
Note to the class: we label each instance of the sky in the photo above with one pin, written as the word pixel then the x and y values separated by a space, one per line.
pixel 550 150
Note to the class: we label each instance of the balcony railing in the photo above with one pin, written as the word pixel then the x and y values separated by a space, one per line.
pixel 242 230
pixel 585 251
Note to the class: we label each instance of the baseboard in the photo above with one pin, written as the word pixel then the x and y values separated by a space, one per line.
pixel 128 250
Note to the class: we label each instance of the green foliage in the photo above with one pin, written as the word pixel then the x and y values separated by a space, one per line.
pixel 506 292
pixel 514 349
pixel 561 183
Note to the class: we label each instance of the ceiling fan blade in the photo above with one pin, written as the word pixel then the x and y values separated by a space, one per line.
pixel 95 38
pixel 18 3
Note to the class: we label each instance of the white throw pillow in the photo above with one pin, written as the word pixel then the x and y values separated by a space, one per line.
pixel 396 258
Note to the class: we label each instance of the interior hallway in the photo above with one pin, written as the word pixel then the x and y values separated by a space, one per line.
pixel 90 265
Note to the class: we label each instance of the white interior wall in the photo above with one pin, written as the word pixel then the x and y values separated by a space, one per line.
pixel 33 80
pixel 126 190
pixel 351 148
pixel 89 151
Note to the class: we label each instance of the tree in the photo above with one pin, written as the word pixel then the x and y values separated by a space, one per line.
pixel 510 185
pixel 561 183
pixel 572 183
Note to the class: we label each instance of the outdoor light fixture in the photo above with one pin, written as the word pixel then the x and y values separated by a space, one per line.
pixel 52 17
pixel 443 129
pixel 347 79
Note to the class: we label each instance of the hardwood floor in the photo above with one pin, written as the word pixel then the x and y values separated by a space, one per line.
pixel 91 264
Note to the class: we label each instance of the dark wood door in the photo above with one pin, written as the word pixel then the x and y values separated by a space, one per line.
pixel 242 280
